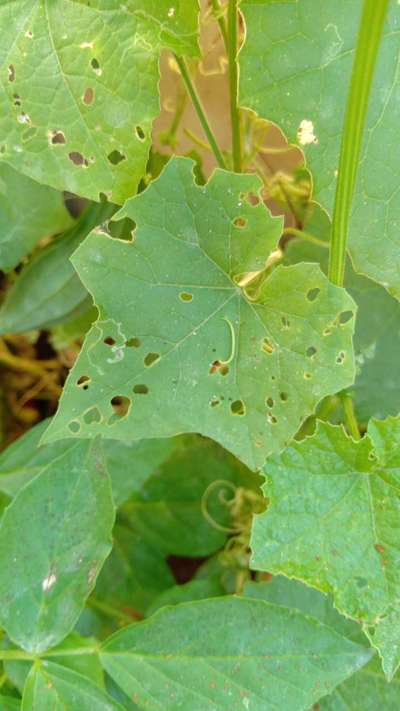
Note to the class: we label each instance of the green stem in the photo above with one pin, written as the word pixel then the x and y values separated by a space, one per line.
pixel 369 36
pixel 110 611
pixel 234 84
pixel 200 111
pixel 306 236
pixel 218 12
pixel 350 417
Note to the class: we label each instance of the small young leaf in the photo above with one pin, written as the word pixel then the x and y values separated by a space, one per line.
pixel 54 538
pixel 333 522
pixel 51 687
pixel 103 95
pixel 229 653
pixel 28 212
pixel 195 353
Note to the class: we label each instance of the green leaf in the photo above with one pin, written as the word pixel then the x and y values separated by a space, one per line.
pixel 28 212
pixel 188 592
pixel 54 538
pixel 135 573
pixel 7 703
pixel 258 656
pixel 377 329
pixel 86 664
pixel 48 291
pixel 333 522
pixel 195 354
pixel 367 690
pixel 51 687
pixel 176 506
pixel 296 596
pixel 128 465
pixel 295 71
pixel 104 95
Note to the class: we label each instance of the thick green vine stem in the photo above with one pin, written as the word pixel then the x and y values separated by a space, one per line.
pixel 219 15
pixel 373 16
pixel 200 111
pixel 234 84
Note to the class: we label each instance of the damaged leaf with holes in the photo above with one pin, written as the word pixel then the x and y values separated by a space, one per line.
pixel 103 94
pixel 333 521
pixel 181 345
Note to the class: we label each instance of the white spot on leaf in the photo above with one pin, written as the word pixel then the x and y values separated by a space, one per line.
pixel 49 582
pixel 305 133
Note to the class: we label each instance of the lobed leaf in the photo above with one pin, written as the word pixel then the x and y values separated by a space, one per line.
pixel 333 522
pixel 180 346
pixel 79 88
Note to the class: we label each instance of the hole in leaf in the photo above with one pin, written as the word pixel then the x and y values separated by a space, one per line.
pixel 214 402
pixel 92 416
pixel 284 396
pixel 74 426
pixel 340 358
pixel 327 331
pixel 240 222
pixel 345 316
pixel 270 402
pixel 121 405
pixel 311 351
pixel 133 343
pixel 151 358
pixel 116 157
pixel 251 198
pixel 96 66
pixel 185 296
pixel 140 133
pixel 140 389
pixel 78 159
pixel 88 96
pixel 307 376
pixel 29 34
pixel 11 72
pixel 17 100
pixel 109 341
pixel 313 293
pixel 83 382
pixel 57 137
pixel 267 346
pixel 238 407
pixel 271 418
pixel 285 322
pixel 217 366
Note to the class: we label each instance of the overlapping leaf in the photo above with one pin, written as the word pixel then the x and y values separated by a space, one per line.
pixel 52 687
pixel 377 331
pixel 333 522
pixel 295 70
pixel 180 347
pixel 79 88
pixel 54 538
pixel 28 213
pixel 229 653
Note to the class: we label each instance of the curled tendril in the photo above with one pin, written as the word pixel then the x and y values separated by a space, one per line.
pixel 222 496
